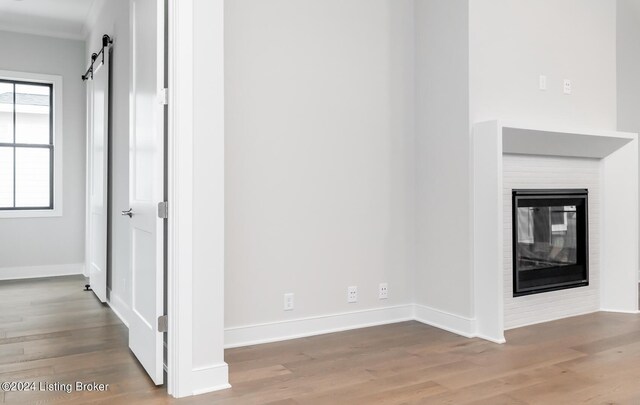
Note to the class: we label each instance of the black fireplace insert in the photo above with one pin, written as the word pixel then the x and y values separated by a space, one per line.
pixel 550 240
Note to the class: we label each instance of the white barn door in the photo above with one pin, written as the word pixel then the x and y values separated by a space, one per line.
pixel 97 167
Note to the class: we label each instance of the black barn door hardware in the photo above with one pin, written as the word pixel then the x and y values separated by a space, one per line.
pixel 107 41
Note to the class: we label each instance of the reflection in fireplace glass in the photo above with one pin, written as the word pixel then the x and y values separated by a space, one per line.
pixel 541 246
pixel 550 235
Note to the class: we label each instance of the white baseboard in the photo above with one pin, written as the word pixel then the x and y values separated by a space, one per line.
pixel 621 311
pixel 119 307
pixel 491 339
pixel 556 318
pixel 24 272
pixel 444 320
pixel 297 328
pixel 210 378
pixel 317 325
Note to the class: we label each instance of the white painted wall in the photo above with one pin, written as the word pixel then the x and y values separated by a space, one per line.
pixel 311 110
pixel 545 172
pixel 513 42
pixel 443 270
pixel 49 245
pixel 319 156
pixel 112 18
pixel 628 65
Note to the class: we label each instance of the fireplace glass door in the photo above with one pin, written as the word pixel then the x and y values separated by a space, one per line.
pixel 550 240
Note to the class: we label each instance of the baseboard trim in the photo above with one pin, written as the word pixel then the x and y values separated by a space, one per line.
pixel 210 378
pixel 119 307
pixel 25 272
pixel 490 339
pixel 317 325
pixel 555 318
pixel 621 311
pixel 445 320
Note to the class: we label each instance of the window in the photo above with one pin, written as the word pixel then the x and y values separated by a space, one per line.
pixel 30 163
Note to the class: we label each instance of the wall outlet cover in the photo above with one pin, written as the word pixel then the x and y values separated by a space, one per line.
pixel 383 291
pixel 352 294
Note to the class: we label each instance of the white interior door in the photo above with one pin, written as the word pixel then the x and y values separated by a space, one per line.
pixel 146 184
pixel 97 168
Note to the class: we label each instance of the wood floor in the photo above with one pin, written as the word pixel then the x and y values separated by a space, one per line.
pixel 52 331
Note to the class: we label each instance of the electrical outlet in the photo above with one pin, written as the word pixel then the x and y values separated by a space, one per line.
pixel 567 86
pixel 352 294
pixel 542 83
pixel 383 291
pixel 288 302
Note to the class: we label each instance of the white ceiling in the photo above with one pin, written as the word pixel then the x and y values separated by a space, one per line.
pixel 57 18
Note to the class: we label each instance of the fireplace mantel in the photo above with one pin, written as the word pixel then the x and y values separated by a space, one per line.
pixel 618 153
pixel 562 142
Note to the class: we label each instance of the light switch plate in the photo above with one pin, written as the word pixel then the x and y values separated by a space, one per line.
pixel 542 83
pixel 288 302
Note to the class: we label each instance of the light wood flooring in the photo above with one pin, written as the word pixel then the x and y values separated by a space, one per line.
pixel 52 331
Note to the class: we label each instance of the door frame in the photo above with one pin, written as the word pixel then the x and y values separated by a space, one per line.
pixel 184 66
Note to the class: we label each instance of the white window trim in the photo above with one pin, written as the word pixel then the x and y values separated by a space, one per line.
pixel 57 144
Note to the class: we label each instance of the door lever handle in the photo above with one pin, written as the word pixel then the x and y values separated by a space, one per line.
pixel 128 213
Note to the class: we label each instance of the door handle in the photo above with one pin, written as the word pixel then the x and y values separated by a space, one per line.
pixel 128 213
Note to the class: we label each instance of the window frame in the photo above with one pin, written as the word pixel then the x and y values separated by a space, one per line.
pixel 55 145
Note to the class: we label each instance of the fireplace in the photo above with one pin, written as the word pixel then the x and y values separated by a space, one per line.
pixel 550 240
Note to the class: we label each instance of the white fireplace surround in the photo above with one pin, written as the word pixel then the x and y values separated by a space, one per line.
pixel 618 154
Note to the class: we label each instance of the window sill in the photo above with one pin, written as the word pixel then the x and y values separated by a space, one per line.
pixel 30 213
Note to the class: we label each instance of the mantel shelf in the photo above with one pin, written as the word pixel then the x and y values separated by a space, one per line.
pixel 559 142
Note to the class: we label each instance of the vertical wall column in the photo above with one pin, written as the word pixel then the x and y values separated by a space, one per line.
pixel 619 274
pixel 196 191
pixel 488 231
pixel 628 65
pixel 209 368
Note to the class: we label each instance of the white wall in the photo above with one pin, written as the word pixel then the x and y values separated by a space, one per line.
pixel 112 18
pixel 544 172
pixel 513 42
pixel 317 93
pixel 57 242
pixel 443 271
pixel 628 65
pixel 319 151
